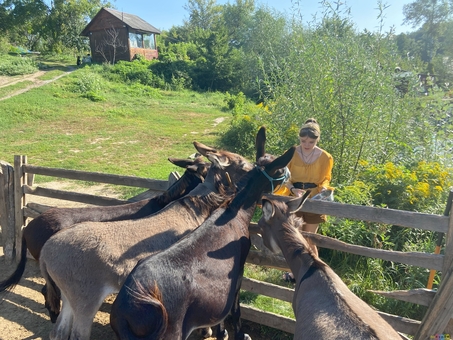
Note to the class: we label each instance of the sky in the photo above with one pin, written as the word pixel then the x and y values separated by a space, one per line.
pixel 165 14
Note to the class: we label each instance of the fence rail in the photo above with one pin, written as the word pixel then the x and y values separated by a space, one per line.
pixel 17 183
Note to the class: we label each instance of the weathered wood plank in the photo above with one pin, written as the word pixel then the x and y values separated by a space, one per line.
pixel 420 296
pixel 400 324
pixel 73 196
pixel 267 289
pixel 448 251
pixel 260 259
pixel 19 201
pixel 268 319
pixel 439 311
pixel 155 184
pixel 372 214
pixel 7 211
pixel 424 260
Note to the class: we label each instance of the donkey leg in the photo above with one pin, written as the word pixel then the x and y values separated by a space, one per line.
pixel 221 332
pixel 83 318
pixel 53 315
pixel 236 320
pixel 62 327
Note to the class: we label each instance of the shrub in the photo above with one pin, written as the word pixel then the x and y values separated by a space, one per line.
pixel 137 71
pixel 88 84
pixel 16 65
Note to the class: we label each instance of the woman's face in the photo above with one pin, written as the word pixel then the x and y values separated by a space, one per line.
pixel 307 143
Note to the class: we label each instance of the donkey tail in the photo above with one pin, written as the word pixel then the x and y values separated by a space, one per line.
pixel 51 293
pixel 14 279
pixel 148 301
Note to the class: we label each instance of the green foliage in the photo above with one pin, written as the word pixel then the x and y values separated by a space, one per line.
pixel 247 119
pixel 89 84
pixel 137 71
pixel 235 103
pixel 16 65
pixel 421 186
pixel 5 46
pixel 355 102
pixel 176 65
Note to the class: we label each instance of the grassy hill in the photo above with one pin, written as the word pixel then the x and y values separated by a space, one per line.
pixel 83 121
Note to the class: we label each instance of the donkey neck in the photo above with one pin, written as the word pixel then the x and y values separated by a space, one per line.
pixel 294 249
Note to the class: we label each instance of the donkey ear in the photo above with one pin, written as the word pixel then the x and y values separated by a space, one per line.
pixel 297 204
pixel 268 210
pixel 260 143
pixel 218 159
pixel 182 163
pixel 203 149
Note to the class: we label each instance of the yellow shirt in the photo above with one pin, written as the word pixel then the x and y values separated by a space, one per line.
pixel 319 172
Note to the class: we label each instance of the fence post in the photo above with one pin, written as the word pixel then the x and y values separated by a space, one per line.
pixel 7 214
pixel 19 200
pixel 440 310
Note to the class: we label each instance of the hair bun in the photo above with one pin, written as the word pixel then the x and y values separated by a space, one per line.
pixel 311 120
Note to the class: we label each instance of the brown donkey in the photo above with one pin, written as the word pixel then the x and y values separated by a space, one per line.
pixel 92 259
pixel 324 306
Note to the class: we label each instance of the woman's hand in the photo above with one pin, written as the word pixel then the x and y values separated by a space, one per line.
pixel 297 192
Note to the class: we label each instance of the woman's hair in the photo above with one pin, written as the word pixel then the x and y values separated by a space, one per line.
pixel 310 129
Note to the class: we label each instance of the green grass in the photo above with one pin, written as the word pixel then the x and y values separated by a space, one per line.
pixel 51 74
pixel 127 133
pixel 7 90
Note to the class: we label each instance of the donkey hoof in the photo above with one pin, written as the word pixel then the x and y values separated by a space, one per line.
pixel 222 335
pixel 205 332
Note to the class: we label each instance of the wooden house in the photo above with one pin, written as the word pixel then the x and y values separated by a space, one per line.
pixel 115 35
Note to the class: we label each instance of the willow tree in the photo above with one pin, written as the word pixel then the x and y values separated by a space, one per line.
pixel 345 80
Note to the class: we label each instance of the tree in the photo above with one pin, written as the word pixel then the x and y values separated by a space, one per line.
pixel 203 14
pixel 430 16
pixel 345 81
pixel 110 45
pixel 22 21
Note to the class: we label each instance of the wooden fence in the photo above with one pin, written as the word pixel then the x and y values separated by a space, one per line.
pixel 16 183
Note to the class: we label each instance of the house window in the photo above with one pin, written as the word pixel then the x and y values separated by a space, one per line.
pixel 148 39
pixel 136 40
pixel 140 40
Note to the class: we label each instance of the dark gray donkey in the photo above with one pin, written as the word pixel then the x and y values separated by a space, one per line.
pixel 324 306
pixel 92 259
pixel 195 283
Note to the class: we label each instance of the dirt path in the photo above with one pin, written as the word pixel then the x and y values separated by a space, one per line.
pixel 24 317
pixel 34 78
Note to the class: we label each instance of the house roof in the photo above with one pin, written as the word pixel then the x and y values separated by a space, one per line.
pixel 130 20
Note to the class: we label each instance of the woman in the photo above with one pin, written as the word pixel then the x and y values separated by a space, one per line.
pixel 311 169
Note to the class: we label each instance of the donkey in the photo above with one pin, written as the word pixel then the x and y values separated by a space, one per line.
pixel 40 229
pixel 195 283
pixel 323 305
pixel 92 259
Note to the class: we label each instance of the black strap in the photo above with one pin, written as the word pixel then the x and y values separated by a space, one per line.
pixel 300 185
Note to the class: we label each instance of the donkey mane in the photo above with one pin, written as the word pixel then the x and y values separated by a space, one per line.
pixel 295 242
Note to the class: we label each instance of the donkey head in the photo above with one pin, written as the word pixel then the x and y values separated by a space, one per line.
pixel 277 212
pixel 226 167
pixel 196 166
